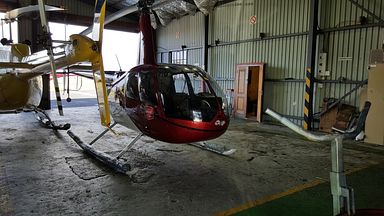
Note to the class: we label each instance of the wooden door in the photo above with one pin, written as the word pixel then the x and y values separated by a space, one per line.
pixel 260 93
pixel 241 80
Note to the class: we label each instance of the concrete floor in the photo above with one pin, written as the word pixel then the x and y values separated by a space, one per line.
pixel 46 173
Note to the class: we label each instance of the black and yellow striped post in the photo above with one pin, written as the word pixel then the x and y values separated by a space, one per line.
pixel 311 65
pixel 308 100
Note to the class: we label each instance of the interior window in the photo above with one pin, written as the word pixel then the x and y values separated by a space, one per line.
pixel 181 84
pixel 179 57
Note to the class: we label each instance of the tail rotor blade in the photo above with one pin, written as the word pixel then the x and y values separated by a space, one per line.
pixel 48 46
pixel 97 63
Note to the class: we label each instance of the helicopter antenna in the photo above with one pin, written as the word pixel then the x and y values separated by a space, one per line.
pixel 121 71
pixel 118 62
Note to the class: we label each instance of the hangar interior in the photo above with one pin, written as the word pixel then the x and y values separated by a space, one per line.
pixel 315 62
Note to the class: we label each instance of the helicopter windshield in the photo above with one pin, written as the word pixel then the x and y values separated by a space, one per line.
pixel 189 93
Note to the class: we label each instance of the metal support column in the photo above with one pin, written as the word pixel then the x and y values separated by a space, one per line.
pixel 311 65
pixel 45 103
pixel 206 42
pixel 35 31
pixel 343 196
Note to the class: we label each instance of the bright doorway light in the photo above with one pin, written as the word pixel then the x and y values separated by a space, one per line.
pixel 121 45
pixel 116 44
pixel 4 28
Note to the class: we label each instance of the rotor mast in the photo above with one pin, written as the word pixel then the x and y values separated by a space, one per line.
pixel 148 33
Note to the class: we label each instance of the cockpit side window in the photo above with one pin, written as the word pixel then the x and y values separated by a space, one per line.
pixel 186 95
pixel 166 90
pixel 132 91
pixel 147 87
pixel 199 85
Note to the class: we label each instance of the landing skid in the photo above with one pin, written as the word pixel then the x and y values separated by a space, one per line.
pixel 214 148
pixel 120 165
pixel 47 122
pixel 114 162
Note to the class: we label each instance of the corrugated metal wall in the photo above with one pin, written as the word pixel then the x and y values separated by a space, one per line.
pixel 347 50
pixel 187 31
pixel 230 25
pixel 234 40
pixel 284 57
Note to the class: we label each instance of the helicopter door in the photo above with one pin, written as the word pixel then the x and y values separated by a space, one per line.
pixel 241 91
pixel 249 91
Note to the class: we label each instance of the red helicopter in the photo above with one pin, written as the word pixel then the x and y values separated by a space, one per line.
pixel 171 103
pixel 167 102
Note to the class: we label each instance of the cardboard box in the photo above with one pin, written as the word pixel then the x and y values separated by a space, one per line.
pixel 374 125
pixel 328 119
pixel 345 115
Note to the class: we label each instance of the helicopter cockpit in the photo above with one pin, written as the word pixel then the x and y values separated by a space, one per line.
pixel 161 100
pixel 185 92
pixel 189 93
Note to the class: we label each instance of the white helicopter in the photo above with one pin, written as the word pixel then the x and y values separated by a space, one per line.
pixel 20 82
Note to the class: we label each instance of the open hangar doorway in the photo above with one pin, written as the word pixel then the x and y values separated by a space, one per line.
pixel 248 93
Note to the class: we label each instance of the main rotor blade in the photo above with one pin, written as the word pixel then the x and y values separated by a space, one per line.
pixel 97 64
pixel 13 14
pixel 113 17
pixel 48 46
pixel 98 22
pixel 101 91
pixel 123 12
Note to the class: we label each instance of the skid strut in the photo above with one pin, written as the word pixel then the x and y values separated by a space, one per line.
pixel 114 162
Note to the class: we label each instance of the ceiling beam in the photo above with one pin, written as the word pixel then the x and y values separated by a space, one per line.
pixel 110 7
pixel 116 3
pixel 8 5
pixel 219 3
pixel 88 21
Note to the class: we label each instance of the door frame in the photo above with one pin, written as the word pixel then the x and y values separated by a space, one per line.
pixel 260 98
